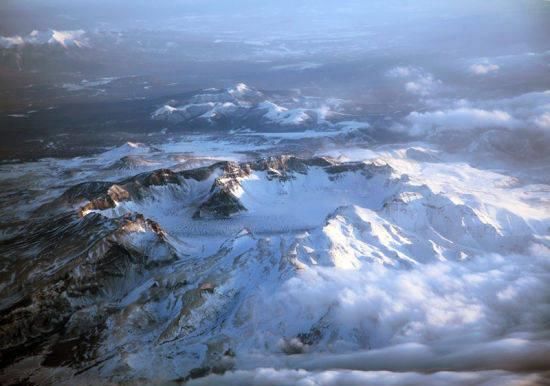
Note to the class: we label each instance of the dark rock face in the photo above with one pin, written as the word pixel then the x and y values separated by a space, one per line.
pixel 284 166
pixel 368 170
pixel 201 174
pixel 63 292
pixel 102 195
pixel 302 341
pixel 115 193
pixel 220 204
pixel 129 162
pixel 207 287
pixel 155 178
pixel 84 191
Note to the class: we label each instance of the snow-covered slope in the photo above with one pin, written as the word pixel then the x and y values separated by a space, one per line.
pixel 176 273
pixel 243 107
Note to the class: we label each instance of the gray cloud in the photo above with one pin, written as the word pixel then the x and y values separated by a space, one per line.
pixel 271 377
pixel 484 68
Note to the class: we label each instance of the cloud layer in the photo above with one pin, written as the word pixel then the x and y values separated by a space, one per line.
pixel 270 377
pixel 483 68
pixel 525 111
pixel 463 118
pixel 74 38
pixel 417 81
pixel 470 322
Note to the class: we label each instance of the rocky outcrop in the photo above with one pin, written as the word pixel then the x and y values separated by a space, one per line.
pixel 96 261
pixel 221 203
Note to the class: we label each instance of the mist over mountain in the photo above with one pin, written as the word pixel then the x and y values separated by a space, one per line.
pixel 274 193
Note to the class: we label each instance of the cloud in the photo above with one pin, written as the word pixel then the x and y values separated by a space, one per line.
pixel 402 72
pixel 543 121
pixel 469 322
pixel 10 41
pixel 302 66
pixel 486 313
pixel 418 81
pixel 510 354
pixel 533 106
pixel 525 111
pixel 463 118
pixel 423 85
pixel 270 377
pixel 74 38
pixel 68 38
pixel 483 68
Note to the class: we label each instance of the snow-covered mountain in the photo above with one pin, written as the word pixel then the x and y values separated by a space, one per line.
pixel 242 107
pixel 275 193
pixel 43 51
pixel 173 272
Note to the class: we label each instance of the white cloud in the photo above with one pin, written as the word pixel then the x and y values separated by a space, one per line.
pixel 75 38
pixel 270 377
pixel 483 68
pixel 10 41
pixel 423 85
pixel 475 321
pixel 68 38
pixel 529 111
pixel 402 72
pixel 543 121
pixel 418 81
pixel 464 118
